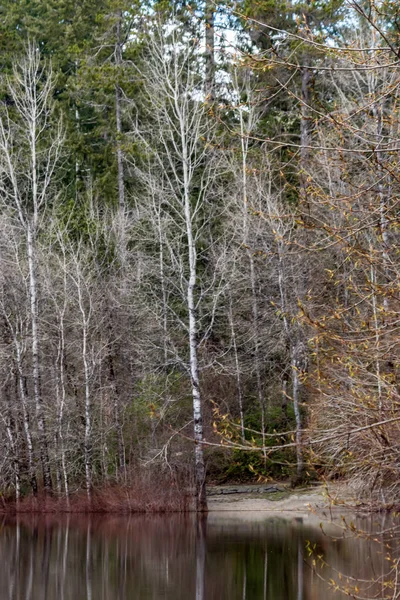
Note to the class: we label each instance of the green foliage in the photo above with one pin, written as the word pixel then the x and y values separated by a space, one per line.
pixel 152 393
pixel 251 465
pixel 100 60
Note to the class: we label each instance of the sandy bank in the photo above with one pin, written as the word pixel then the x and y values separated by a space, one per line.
pixel 308 503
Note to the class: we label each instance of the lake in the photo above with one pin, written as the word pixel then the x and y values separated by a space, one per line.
pixel 251 556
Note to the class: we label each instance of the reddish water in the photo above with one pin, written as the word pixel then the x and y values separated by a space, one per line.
pixel 175 558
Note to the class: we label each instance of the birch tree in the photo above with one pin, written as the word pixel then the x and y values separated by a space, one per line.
pixel 178 147
pixel 30 146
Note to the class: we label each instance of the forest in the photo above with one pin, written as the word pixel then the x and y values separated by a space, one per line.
pixel 199 262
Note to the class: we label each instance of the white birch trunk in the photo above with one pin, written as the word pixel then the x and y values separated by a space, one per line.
pixel 27 430
pixel 85 311
pixel 200 472
pixel 42 434
pixel 27 188
pixel 20 391
pixel 62 403
pixel 13 444
pixel 87 442
pixel 179 164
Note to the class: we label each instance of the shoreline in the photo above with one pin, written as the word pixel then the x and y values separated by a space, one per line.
pixel 281 499
pixel 324 501
pixel 275 498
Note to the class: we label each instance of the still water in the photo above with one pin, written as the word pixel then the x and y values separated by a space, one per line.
pixel 245 557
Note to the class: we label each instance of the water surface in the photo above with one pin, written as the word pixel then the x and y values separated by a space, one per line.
pixel 244 557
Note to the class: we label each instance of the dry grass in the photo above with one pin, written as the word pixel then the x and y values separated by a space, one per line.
pixel 143 493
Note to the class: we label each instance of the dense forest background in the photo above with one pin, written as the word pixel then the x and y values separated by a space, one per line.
pixel 199 263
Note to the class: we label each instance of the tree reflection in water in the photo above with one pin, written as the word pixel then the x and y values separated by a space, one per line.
pixel 201 532
pixel 181 558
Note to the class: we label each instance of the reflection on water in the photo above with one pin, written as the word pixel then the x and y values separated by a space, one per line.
pixel 175 557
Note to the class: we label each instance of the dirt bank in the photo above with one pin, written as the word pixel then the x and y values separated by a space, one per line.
pixel 319 501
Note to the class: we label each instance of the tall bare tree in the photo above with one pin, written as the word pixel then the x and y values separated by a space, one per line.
pixel 178 155
pixel 30 146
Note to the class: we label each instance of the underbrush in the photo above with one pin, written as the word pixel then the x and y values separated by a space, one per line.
pixel 141 493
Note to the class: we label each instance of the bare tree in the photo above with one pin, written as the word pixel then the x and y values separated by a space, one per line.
pixel 30 145
pixel 177 151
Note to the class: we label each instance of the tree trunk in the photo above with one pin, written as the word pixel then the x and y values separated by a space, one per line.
pixel 87 442
pixel 27 427
pixel 118 119
pixel 42 434
pixel 296 387
pixel 296 361
pixel 257 359
pixel 117 416
pixel 237 370
pixel 200 471
pixel 62 401
pixel 12 435
pixel 285 379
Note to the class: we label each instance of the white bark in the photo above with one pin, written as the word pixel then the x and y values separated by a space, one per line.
pixel 200 473
pixel 85 309
pixel 43 443
pixel 18 334
pixel 61 383
pixel 12 435
pixel 178 157
pixel 26 186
